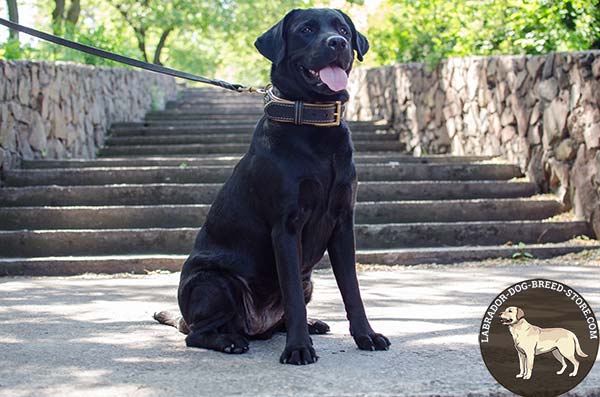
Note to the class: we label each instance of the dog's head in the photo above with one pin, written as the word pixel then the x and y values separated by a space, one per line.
pixel 511 315
pixel 312 52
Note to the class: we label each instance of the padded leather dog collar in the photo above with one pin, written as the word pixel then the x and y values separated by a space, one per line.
pixel 320 114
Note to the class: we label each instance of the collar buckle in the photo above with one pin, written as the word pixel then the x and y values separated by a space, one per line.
pixel 338 117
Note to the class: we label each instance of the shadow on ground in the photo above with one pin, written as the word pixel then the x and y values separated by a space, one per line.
pixel 95 336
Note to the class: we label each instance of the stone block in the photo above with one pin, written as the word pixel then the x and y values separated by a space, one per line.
pixel 596 67
pixel 37 135
pixel 508 133
pixel 566 150
pixel 555 120
pixel 507 117
pixel 548 89
pixel 558 181
pixel 534 134
pixel 548 69
pixel 592 136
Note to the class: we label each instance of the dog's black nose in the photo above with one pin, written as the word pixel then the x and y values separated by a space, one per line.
pixel 337 42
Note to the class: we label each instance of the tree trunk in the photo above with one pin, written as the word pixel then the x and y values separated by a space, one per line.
pixel 161 44
pixel 74 10
pixel 13 16
pixel 140 34
pixel 57 16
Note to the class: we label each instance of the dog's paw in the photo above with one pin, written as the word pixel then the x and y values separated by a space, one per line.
pixel 372 341
pixel 519 376
pixel 527 376
pixel 226 343
pixel 234 344
pixel 299 354
pixel 317 327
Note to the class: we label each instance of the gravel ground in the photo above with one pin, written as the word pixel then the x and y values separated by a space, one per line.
pixel 93 335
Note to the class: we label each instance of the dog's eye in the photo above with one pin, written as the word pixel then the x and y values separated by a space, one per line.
pixel 307 29
pixel 343 30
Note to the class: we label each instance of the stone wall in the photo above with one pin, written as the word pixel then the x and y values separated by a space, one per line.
pixel 542 112
pixel 63 110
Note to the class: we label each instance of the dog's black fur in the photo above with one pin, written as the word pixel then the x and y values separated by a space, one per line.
pixel 290 198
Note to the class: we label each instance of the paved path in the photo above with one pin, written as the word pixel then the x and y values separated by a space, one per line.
pixel 93 336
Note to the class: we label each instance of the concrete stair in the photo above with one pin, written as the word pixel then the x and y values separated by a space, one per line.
pixel 139 205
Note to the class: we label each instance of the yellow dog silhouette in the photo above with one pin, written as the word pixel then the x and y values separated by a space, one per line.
pixel 531 341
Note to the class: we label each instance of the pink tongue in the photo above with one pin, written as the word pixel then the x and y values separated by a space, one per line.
pixel 335 77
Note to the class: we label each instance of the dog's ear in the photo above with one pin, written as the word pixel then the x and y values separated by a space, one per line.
pixel 359 42
pixel 271 44
pixel 520 313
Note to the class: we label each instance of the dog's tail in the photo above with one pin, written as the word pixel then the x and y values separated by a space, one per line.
pixel 580 352
pixel 168 318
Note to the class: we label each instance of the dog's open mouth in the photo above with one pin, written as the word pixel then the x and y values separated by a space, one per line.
pixel 505 321
pixel 333 76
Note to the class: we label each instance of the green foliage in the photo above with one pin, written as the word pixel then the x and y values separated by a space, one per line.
pixel 157 98
pixel 11 49
pixel 215 38
pixel 522 253
pixel 428 30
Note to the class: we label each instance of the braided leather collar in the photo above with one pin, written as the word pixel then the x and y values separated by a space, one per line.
pixel 320 114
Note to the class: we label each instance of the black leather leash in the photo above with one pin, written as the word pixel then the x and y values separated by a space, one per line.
pixel 327 114
pixel 128 61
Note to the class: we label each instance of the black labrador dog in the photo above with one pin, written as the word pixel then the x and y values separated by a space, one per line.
pixel 290 198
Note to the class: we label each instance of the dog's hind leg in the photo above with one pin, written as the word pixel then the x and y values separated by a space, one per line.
pixel 315 327
pixel 561 360
pixel 574 361
pixel 566 347
pixel 169 318
pixel 212 310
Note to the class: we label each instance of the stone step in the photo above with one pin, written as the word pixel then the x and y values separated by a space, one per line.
pixel 194 215
pixel 218 159
pixel 141 264
pixel 220 106
pixel 142 129
pixel 179 139
pixel 214 174
pixel 206 92
pixel 35 243
pixel 204 116
pixel 225 148
pixel 363 126
pixel 156 194
pixel 214 101
pixel 152 129
pixel 210 110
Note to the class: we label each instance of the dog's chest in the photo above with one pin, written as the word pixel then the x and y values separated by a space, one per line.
pixel 324 198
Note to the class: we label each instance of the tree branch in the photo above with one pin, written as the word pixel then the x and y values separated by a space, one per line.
pixel 57 16
pixel 74 11
pixel 161 44
pixel 13 16
pixel 140 34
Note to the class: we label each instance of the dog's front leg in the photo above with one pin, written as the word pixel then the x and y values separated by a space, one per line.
pixel 341 251
pixel 521 364
pixel 298 348
pixel 529 360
